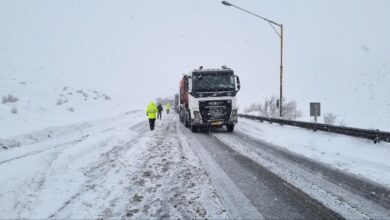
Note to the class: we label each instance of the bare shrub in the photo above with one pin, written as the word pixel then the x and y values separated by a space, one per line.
pixel 253 108
pixel 342 123
pixel 329 118
pixel 14 110
pixel 106 97
pixel 9 143
pixel 60 101
pixel 290 110
pixel 71 109
pixel 9 99
pixel 270 109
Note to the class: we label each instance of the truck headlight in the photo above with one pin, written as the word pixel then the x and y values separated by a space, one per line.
pixel 197 117
pixel 233 114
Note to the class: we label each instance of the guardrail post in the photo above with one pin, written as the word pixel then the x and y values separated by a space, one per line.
pixel 377 139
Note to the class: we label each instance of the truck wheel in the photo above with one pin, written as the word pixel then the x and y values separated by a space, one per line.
pixel 186 122
pixel 194 128
pixel 205 129
pixel 230 128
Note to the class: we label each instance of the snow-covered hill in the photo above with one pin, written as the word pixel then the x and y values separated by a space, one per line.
pixel 357 99
pixel 362 99
pixel 32 105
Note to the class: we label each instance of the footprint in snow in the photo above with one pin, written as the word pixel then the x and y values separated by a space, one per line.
pixel 137 198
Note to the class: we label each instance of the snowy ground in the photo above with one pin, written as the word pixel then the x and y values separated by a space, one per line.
pixel 351 197
pixel 116 167
pixel 112 168
pixel 352 155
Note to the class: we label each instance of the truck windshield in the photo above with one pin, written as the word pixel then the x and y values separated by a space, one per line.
pixel 213 81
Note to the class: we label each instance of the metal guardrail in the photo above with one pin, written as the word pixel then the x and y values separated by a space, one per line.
pixel 375 135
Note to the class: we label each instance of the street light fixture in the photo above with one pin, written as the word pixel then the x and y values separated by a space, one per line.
pixel 280 34
pixel 226 3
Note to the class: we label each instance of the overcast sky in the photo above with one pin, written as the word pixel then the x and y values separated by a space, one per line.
pixel 138 50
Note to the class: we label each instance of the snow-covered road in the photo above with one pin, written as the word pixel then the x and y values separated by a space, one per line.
pixel 112 168
pixel 117 168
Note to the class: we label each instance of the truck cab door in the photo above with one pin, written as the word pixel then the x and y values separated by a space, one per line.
pixel 238 86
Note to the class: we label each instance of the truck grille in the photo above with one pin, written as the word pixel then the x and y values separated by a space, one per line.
pixel 215 110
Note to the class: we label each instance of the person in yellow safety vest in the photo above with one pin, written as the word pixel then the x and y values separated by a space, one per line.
pixel 167 107
pixel 151 112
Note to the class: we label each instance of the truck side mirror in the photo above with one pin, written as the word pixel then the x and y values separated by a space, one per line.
pixel 238 83
pixel 189 84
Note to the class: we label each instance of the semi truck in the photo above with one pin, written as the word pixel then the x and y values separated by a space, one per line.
pixel 207 98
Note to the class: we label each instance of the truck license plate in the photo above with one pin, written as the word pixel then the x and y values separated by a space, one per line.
pixel 216 123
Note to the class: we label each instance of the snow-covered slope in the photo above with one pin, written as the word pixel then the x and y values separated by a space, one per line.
pixel 362 99
pixel 32 105
pixel 357 99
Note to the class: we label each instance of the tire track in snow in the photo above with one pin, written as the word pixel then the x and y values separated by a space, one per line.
pixel 167 184
pixel 33 187
pixel 355 184
pixel 109 161
pixel 332 196
pixel 46 178
pixel 237 204
pixel 66 144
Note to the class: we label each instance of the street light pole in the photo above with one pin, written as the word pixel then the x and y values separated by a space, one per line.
pixel 281 72
pixel 272 23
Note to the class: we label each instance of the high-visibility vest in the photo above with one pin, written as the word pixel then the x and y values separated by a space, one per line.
pixel 151 110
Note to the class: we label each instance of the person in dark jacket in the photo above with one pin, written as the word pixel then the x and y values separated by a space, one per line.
pixel 160 109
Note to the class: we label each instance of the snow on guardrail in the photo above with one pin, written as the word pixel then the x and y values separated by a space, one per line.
pixel 375 135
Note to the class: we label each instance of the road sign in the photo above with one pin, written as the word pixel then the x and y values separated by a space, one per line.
pixel 315 110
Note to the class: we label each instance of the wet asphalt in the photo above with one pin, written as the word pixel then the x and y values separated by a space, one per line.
pixel 270 195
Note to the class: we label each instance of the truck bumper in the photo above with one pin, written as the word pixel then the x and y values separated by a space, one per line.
pixel 213 123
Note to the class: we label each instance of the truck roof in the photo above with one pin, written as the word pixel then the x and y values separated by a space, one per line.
pixel 212 70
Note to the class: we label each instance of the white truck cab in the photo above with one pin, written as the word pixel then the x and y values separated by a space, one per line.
pixel 208 98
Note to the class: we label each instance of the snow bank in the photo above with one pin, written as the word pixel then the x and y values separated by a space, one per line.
pixel 353 155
